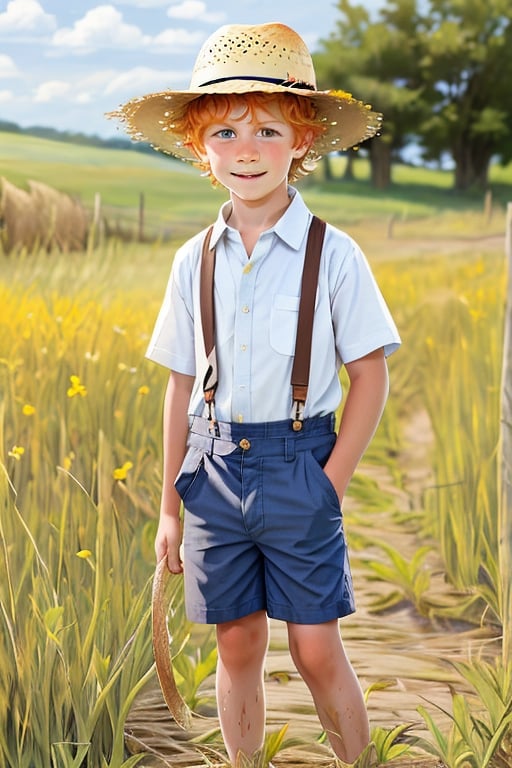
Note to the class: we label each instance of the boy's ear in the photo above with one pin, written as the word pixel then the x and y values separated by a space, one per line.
pixel 304 144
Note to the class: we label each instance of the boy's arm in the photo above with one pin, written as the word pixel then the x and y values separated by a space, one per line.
pixel 367 395
pixel 175 430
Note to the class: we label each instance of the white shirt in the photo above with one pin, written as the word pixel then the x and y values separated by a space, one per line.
pixel 256 310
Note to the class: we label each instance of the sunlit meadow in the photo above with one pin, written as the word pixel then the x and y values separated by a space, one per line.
pixel 80 453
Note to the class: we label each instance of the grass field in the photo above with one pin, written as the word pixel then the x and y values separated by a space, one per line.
pixel 80 455
pixel 176 198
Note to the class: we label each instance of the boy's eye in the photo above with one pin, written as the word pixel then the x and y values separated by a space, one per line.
pixel 225 133
pixel 268 132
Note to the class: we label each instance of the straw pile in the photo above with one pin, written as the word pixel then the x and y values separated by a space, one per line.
pixel 41 217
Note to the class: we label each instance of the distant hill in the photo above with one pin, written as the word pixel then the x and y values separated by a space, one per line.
pixel 70 137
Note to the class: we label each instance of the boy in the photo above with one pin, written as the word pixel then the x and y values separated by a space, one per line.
pixel 259 468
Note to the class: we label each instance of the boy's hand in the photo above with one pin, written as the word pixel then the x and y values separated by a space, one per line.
pixel 365 401
pixel 168 542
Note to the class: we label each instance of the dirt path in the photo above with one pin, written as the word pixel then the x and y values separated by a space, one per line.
pixel 408 652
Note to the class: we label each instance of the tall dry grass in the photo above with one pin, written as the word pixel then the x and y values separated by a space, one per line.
pixel 80 457
pixel 79 468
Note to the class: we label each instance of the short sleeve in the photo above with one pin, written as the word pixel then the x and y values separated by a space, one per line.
pixel 172 341
pixel 361 318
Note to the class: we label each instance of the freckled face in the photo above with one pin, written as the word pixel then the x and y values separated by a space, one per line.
pixel 250 153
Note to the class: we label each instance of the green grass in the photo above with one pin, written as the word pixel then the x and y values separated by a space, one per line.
pixel 78 538
pixel 177 198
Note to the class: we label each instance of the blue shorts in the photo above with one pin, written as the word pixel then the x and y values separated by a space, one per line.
pixel 263 527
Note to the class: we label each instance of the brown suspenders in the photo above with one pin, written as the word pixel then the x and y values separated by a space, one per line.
pixel 302 358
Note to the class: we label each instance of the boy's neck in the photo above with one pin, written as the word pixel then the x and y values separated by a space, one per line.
pixel 251 218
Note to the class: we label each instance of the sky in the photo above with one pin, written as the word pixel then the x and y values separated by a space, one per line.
pixel 64 63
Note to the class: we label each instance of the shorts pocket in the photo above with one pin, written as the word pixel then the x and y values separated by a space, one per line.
pixel 316 467
pixel 189 470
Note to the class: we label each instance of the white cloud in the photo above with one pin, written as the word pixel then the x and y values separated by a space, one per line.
pixel 51 90
pixel 194 10
pixel 140 80
pixel 23 16
pixel 101 27
pixel 84 97
pixel 8 68
pixel 6 96
pixel 108 84
pixel 177 40
pixel 143 3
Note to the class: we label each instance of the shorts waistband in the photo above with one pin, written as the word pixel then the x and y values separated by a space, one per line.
pixel 271 438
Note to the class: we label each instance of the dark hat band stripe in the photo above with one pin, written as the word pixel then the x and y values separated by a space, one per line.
pixel 274 80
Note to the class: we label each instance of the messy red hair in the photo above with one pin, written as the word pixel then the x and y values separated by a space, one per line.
pixel 298 111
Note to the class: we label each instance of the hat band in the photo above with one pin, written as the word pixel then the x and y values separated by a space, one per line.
pixel 290 83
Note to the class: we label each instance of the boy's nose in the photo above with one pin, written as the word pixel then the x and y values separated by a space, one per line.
pixel 248 152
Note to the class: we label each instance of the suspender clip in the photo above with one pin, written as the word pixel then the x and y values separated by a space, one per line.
pixel 209 397
pixel 298 406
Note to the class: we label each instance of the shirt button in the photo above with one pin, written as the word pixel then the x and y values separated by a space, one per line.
pixel 247 269
pixel 244 444
pixel 245 308
pixel 243 347
pixel 240 418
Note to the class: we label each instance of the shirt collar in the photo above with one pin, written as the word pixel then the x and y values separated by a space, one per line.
pixel 290 228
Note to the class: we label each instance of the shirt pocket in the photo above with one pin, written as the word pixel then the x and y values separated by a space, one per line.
pixel 283 323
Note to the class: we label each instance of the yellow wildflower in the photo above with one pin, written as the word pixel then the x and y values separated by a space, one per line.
pixel 477 314
pixel 144 389
pixel 28 410
pixel 76 388
pixel 16 452
pixel 68 461
pixel 84 554
pixel 120 473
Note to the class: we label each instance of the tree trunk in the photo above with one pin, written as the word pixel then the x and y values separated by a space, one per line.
pixel 380 162
pixel 349 167
pixel 472 163
pixel 326 162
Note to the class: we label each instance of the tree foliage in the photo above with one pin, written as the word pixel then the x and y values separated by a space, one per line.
pixel 440 72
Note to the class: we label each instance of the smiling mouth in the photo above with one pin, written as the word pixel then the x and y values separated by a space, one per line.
pixel 249 175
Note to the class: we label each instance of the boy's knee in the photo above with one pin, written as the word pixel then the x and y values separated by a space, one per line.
pixel 243 641
pixel 315 652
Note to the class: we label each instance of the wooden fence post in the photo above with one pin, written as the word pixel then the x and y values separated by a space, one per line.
pixel 488 206
pixel 505 462
pixel 140 236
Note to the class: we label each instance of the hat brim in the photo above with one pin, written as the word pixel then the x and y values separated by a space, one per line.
pixel 348 121
pixel 160 603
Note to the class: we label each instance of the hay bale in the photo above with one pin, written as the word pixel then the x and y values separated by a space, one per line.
pixel 65 218
pixel 41 217
pixel 20 219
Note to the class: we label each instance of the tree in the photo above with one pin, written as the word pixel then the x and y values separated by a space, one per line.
pixel 378 61
pixel 467 61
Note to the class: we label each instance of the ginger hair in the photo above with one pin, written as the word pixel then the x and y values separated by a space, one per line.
pixel 298 111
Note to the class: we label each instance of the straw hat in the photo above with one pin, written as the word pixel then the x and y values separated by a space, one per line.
pixel 240 58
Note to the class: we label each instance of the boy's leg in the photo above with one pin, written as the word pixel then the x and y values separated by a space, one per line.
pixel 242 646
pixel 318 653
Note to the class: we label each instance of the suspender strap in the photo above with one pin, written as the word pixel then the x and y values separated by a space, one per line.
pixel 206 290
pixel 302 359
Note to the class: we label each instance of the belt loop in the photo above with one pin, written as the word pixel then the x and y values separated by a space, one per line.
pixel 289 449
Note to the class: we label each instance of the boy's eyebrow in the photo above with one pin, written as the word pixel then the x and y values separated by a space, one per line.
pixel 230 120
